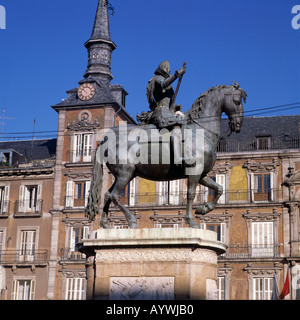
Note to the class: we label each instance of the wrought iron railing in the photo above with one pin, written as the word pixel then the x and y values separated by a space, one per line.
pixel 254 145
pixel 67 254
pixel 23 256
pixel 80 156
pixel 23 207
pixel 180 198
pixel 253 251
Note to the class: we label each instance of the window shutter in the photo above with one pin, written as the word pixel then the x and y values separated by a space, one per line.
pixel 32 289
pixel 86 231
pixel 87 147
pixel 174 192
pixel 70 194
pixel 38 199
pixel 87 190
pixel 132 193
pixel 252 186
pixel 222 231
pixel 72 239
pixel 21 198
pixel 5 206
pixel 272 185
pixel 202 225
pixel 14 290
pixel 221 179
pixel 163 192
pixel 77 148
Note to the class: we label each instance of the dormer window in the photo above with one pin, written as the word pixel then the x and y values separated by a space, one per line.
pixel 263 142
pixel 6 158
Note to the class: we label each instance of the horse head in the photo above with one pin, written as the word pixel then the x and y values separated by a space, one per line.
pixel 232 105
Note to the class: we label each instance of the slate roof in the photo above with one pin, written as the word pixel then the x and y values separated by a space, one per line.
pixel 32 150
pixel 276 127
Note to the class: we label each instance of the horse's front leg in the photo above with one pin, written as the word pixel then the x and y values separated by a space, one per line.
pixel 208 207
pixel 191 193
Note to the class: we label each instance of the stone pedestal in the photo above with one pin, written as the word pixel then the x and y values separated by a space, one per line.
pixel 152 264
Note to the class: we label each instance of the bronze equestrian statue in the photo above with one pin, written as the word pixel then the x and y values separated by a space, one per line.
pixel 204 117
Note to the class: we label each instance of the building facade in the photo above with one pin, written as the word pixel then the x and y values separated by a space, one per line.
pixel 44 187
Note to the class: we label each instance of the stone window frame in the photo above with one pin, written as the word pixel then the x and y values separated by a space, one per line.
pixel 159 221
pixel 120 221
pixel 226 273
pixel 256 167
pixel 261 272
pixel 217 218
pixel 71 274
pixel 77 223
pixel 83 126
pixel 262 217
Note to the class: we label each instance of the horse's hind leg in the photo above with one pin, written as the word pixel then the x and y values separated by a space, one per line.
pixel 107 202
pixel 208 207
pixel 120 184
pixel 191 193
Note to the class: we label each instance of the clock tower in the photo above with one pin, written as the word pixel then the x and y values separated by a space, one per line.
pixel 94 105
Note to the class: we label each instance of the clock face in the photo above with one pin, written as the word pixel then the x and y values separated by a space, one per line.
pixel 86 92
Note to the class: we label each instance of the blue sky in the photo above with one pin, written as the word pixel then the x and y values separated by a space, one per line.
pixel 42 53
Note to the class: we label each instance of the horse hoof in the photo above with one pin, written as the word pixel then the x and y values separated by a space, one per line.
pixel 204 209
pixel 132 224
pixel 104 224
pixel 201 210
pixel 191 223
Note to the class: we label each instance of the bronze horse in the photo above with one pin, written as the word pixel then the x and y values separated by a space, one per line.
pixel 204 116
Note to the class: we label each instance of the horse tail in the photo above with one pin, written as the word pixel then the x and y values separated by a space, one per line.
pixel 94 199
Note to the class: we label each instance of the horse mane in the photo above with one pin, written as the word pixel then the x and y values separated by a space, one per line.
pixel 197 107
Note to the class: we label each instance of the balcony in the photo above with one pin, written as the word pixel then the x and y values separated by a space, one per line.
pixel 180 198
pixel 254 251
pixel 27 208
pixel 71 255
pixel 80 156
pixel 23 257
pixel 256 144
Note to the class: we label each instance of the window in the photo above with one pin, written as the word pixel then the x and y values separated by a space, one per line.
pixel 75 289
pixel 23 290
pixel 30 199
pixel 262 187
pixel 262 288
pixel 4 199
pixel 82 147
pixel 263 143
pixel 262 239
pixel 77 193
pixel 77 234
pixel 166 225
pixel 221 288
pixel 6 158
pixel 219 228
pixel 169 192
pixel 27 245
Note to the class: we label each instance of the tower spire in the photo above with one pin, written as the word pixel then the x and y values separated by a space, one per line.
pixel 100 46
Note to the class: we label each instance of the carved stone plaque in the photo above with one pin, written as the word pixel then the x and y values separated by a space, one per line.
pixel 142 288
